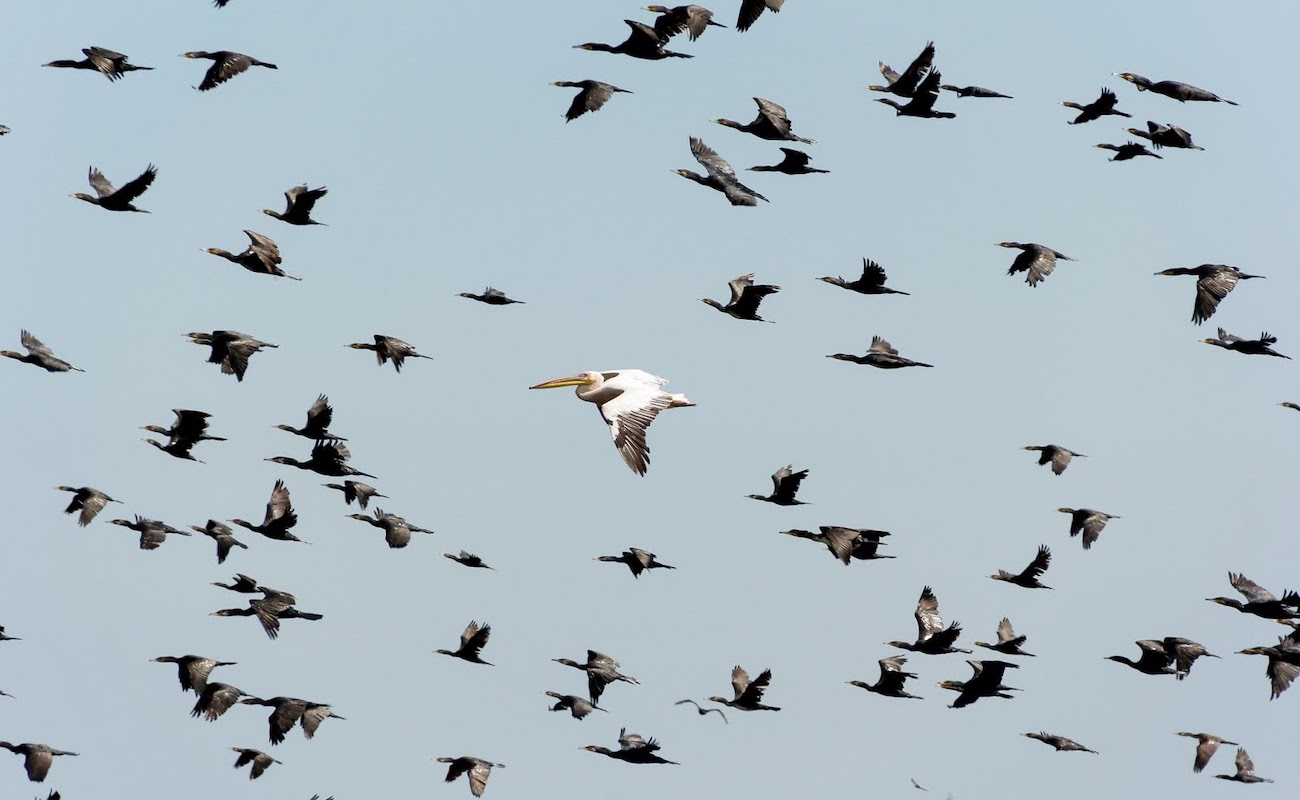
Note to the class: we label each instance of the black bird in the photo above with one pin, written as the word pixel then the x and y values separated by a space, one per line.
pixel 471 560
pixel 771 124
pixel 881 355
pixel 794 163
pixel 289 710
pixel 1251 347
pixel 594 94
pixel 230 349
pixel 701 710
pixel 319 417
pixel 633 749
pixel 1166 136
pixel 692 19
pixel 225 65
pixel 215 700
pixel 1283 662
pixel 112 199
pixel 472 642
pixel 257 758
pixel 355 490
pixel 576 706
pixel 922 102
pixel 1034 259
pixel 298 203
pixel 1127 151
pixel 397 531
pixel 892 678
pixel 720 176
pixel 785 485
pixel 872 280
pixel 1088 522
pixel 37 758
pixel 1059 742
pixel 745 298
pixel 1028 578
pixel 39 354
pixel 490 296
pixel 1260 601
pixel 152 532
pixel 845 543
pixel 931 637
pixel 972 91
pixel 5 638
pixel 328 457
pixel 985 682
pixel 278 519
pixel 261 256
pixel 1054 454
pixel 243 584
pixel 222 535
pixel 1182 92
pixel 389 347
pixel 907 83
pixel 1172 655
pixel 478 770
pixel 273 606
pixel 1008 642
pixel 1103 106
pixel 637 560
pixel 88 500
pixel 1292 406
pixel 193 671
pixel 4 129
pixel 1245 767
pixel 751 10
pixel 189 428
pixel 1213 283
pixel 601 671
pixel 642 42
pixel 111 64
pixel 1206 745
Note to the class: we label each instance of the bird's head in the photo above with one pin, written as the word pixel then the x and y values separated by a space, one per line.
pixel 581 379
pixel 1254 651
pixel 587 46
pixel 83 196
pixel 195 54
pixel 716 699
pixel 165 659
pixel 956 686
pixel 859 684
pixel 1014 245
pixel 119 522
pixel 280 460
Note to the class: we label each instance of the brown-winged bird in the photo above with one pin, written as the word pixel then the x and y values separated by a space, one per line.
pixel 112 199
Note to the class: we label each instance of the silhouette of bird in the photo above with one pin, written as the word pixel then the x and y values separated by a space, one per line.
pixel 397 531
pixel 88 500
pixel 694 20
pixel 785 485
pixel 477 768
pixel 593 96
pixel 298 204
pixel 1059 742
pixel 601 671
pixel 881 355
pixel 319 417
pixel 225 65
pixel 110 64
pixel 1182 92
pixel 278 519
pixel 908 82
pixel 892 678
pixel 1101 107
pixel 721 176
pixel 289 710
pixel 637 560
pixel 772 124
pixel 469 560
pixel 575 705
pixel 215 700
pixel 262 256
pixel 985 682
pixel 794 163
pixel 748 693
pixel 1127 151
pixel 472 642
pixel 37 758
pixel 152 532
pixel 257 758
pixel 1089 522
pixel 1213 283
pixel 1206 745
pixel 1057 456
pixel 643 42
pixel 111 199
pixel 193 671
pixel 922 101
pixel 1245 767
pixel 745 297
pixel 230 349
pixel 973 91
pixel 389 347
pixel 931 637
pixel 1035 260
pixel 702 711
pixel 633 749
pixel 1028 578
pixel 871 282
pixel 39 354
pixel 355 490
pixel 751 10
pixel 1008 642
pixel 1251 347
pixel 1259 601
pixel 492 297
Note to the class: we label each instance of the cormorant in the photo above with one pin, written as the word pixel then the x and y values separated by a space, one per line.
pixel 632 747
pixel 1259 601
pixel 872 280
pixel 152 532
pixel 701 710
pixel 637 560
pixel 242 584
pixel 273 606
pixel 1127 151
pixel 642 42
pixel 397 531
pixel 1035 259
pixel 748 693
pixel 278 519
pixel 225 65
pixel 1245 767
pixel 88 500
pixel 189 428
pixel 771 124
pixel 1008 642
pixel 845 543
pixel 922 102
pixel 39 354
pixel 472 642
pixel 985 682
pixel 751 10
pixel 230 349
pixel 794 163
pixel 470 560
pixel 1087 521
pixel 1251 347
pixel 594 94
pixel 1166 136
pixel 1283 662
pixel 1103 106
pixel 289 710
pixel 257 758
pixel 478 770
pixel 785 485
pixel 1213 282
pixel 386 347
pixel 1172 655
pixel 1182 92
pixel 215 700
pixel 222 535
pixel 355 490
pixel 745 297
pixel 906 84
pixel 1206 745
pixel 881 355
pixel 298 203
pixel 931 637
pixel 111 64
pixel 720 176
pixel 37 758
pixel 261 256
pixel 5 638
pixel 1057 456
pixel 328 457
pixel 493 297
pixel 112 199
pixel 193 671
pixel 892 678
pixel 601 671
pixel 1059 742
pixel 319 417
pixel 575 705
pixel 1028 578
pixel 973 91
pixel 692 19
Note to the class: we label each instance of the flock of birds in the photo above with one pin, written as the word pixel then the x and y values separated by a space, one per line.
pixel 629 400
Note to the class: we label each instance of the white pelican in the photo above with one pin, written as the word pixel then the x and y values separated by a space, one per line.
pixel 629 400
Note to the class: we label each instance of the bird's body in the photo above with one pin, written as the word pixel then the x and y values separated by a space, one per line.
pixel 1283 662
pixel 692 19
pixel 1128 151
pixel 1059 742
pixel 1165 136
pixel 906 83
pixel 973 91
pixel 593 96
pixel 1206 745
pixel 222 535
pixel 152 532
pixel 1172 655
pixel 1103 106
pixel 189 428
pixel 286 711
pixel 745 298
pixel 844 543
pixel 601 671
pixel 262 256
pixel 472 642
pixel 922 100
pixel 985 682
pixel 1008 642
pixel 298 204
pixel 772 124
pixel 880 355
pixel 88 500
pixel 1182 92
pixel 112 199
pixel 39 354
pixel 633 749
pixel 1088 522
pixel 356 491
pixel 578 707
pixel 225 65
pixel 643 42
pixel 721 176
pixel 37 758
pixel 1245 767
pixel 319 417
pixel 273 606
pixel 794 163
pixel 1260 601
pixel 389 347
pixel 1036 260
pixel 1054 454
pixel 872 280
pixel 477 768
pixel 932 637
pixel 328 457
pixel 257 758
pixel 748 694
pixel 637 560
pixel 892 678
pixel 491 297
pixel 230 349
pixel 279 516
pixel 1213 283
pixel 785 485
pixel 1263 346
pixel 110 64
pixel 397 531
pixel 1029 577
pixel 193 671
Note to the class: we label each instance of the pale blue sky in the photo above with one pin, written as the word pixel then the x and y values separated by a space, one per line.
pixel 450 167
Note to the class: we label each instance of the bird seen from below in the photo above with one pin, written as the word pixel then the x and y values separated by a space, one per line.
pixel 262 256
pixel 1088 522
pixel 844 543
pixel 112 199
pixel 702 711
pixel 1028 578
pixel 1182 92
pixel 477 769
pixel 215 700
pixel 593 96
pixel 491 297
pixel 892 678
pixel 601 671
pixel 328 457
pixel 721 176
pixel 642 42
pixel 1206 745
pixel 397 531
pixel 1213 283
pixel 1245 767
pixel 39 354
pixel 257 758
pixel 290 710
pixel 230 349
pixel 1260 601
pixel 1034 259
pixel 745 298
pixel 6 638
pixel 1103 106
pixel 152 532
pixel 193 671
pixel 1283 662
pixel 907 83
pixel 389 347
pixel 355 491
pixel 1127 151
pixel 110 64
pixel 922 101
pixel 772 123
pixel 794 163
pixel 1008 642
pixel 278 519
pixel 472 641
pixel 243 584
pixel 633 749
pixel 1263 346
pixel 222 535
pixel 985 682
pixel 693 20
pixel 578 707
pixel 932 638
pixel 872 280
pixel 785 485
pixel 881 355
pixel 1059 742
pixel 37 758
pixel 273 606
pixel 298 204
pixel 637 560
pixel 225 65
pixel 319 417
pixel 88 500
pixel 1172 655
pixel 1059 457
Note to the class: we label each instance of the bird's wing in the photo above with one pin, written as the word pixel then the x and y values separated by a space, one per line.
pixel 1204 752
pixel 1040 563
pixel 788 484
pixel 872 273
pixel 1244 765
pixel 478 776
pixel 640 30
pixel 628 415
pixel 134 188
pixel 223 69
pixel 91 505
pixel 739 285
pixel 879 345
pixel 264 246
pixel 475 637
pixel 928 621
pixel 280 506
pixel 38 763
pixel 911 77
pixel 715 164
pixel 891 77
pixel 313 717
pixel 739 680
pixel 775 114
pixel 927 93
pixel 458 767
pixel 1210 291
pixel 35 346
pixel 794 159
pixel 99 183
pixel 321 414
pixel 1252 591
pixel 592 98
pixel 1005 632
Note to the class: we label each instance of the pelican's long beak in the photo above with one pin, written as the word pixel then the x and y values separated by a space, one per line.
pixel 571 380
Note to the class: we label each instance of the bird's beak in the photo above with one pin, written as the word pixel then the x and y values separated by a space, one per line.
pixel 572 380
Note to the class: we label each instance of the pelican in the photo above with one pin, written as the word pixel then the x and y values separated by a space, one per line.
pixel 629 400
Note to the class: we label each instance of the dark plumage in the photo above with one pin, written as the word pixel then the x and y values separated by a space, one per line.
pixel 594 94
pixel 298 203
pixel 881 355
pixel 985 682
pixel 844 543
pixel 39 354
pixel 1127 151
pixel 1260 601
pixel 111 199
pixel 278 519
pixel 642 42
pixel 1054 454
pixel 748 693
pixel 257 758
pixel 692 19
pixel 472 642
pixel 1182 92
pixel 286 711
pixel 397 531
pixel 110 64
pixel 1251 347
pixel 471 560
pixel 702 711
pixel 576 706
pixel 1206 745
pixel 152 532
pixel 922 100
pixel 88 500
pixel 389 347
pixel 222 535
pixel 490 296
pixel 1028 577
pixel 1088 522
pixel 1245 767
pixel 478 770
pixel 633 749
pixel 37 758
pixel 1283 662
pixel 319 417
pixel 1036 260
pixel 794 163
pixel 973 91
pixel 745 298
pixel 215 700
pixel 355 491
pixel 892 678
pixel 721 176
pixel 872 280
pixel 1059 742
pixel 273 606
pixel 1172 655
pixel 230 349
pixel 243 584
pixel 1103 106
pixel 225 65
pixel 772 124
pixel 637 560
pixel 601 671
pixel 193 671
pixel 1008 642
pixel 908 82
pixel 262 256
pixel 931 637
pixel 1213 283
pixel 785 485
pixel 751 10
pixel 328 457
pixel 1165 136
pixel 189 428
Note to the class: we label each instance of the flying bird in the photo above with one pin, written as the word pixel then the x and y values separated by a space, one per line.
pixel 257 758
pixel 601 671
pixel 215 700
pixel 745 298
pixel 1283 662
pixel 278 519
pixel 576 706
pixel 1206 745
pixel 1059 742
pixel 298 203
pixel 1028 578
pixel 931 637
pixel 973 91
pixel 1103 106
pixel 1034 259
pixel 286 711
pixel 389 347
pixel 477 768
pixel 892 678
pixel 1251 347
pixel 594 94
pixel 152 532
pixel 110 64
pixel 1059 457
pixel 985 682
pixel 633 749
pixel 39 354
pixel 37 758
pixel 230 349
pixel 1260 601
pixel 319 417
pixel 222 535
pixel 1127 151
pixel 88 500
pixel 772 124
pixel 1213 283
pixel 225 65
pixel 1008 642
pixel 355 491
pixel 720 177
pixel 472 642
pixel 193 671
pixel 694 20
pixel 471 560
pixel 1245 767
pixel 785 485
pixel 1172 655
pixel 1088 522
pixel 751 10
pixel 397 531
pixel 1182 92
pixel 642 42
pixel 872 280
pixel 1165 136
pixel 490 296
pixel 922 101
pixel 262 256
pixel 702 711
pixel 637 560
pixel 748 694
pixel 794 163
pixel 844 543
pixel 907 83
pixel 328 457
pixel 881 355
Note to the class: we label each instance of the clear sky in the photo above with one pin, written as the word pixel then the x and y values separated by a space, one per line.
pixel 450 167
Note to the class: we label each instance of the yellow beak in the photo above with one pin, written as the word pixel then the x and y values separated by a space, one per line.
pixel 571 380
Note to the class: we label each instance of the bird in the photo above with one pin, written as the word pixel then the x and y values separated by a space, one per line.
pixel 355 490
pixel 872 280
pixel 1059 457
pixel 1245 767
pixel 881 355
pixel 328 457
pixel 1128 151
pixel 470 560
pixel 278 519
pixel 215 700
pixel 772 124
pixel 389 347
pixel 1172 655
pixel 1165 136
pixel 492 297
pixel 242 584
pixel 985 682
pixel 931 637
pixel 472 642
pixel 593 96
pixel 1293 406
pixel 1182 92
pixel 6 638
pixel 39 354
pixel 1036 260
pixel 298 203
pixel 397 531
pixel 748 693
pixel 1206 745
pixel 642 42
pixel 1103 106
pixel 745 298
pixel 110 64
pixel 1089 522
pixel 4 129
pixel 892 678
pixel 633 749
pixel 1259 601
pixel 751 10
pixel 189 428
pixel 152 532
pixel 111 199
pixel 1028 578
pixel 973 91
pixel 794 163
pixel 1059 742
pixel 702 711
pixel 922 100
pixel 225 65
pixel 629 400
pixel 319 417
pixel 1008 642
pixel 222 535
pixel 785 485
pixel 720 176
pixel 1213 283
pixel 193 671
pixel 601 671
pixel 37 758
pixel 576 706
pixel 257 758
pixel 1283 662
pixel 478 770
pixel 845 543
pixel 230 349
pixel 907 83
pixel 86 499
pixel 273 606
pixel 289 710
pixel 1251 347
pixel 261 256
pixel 637 560
pixel 694 20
